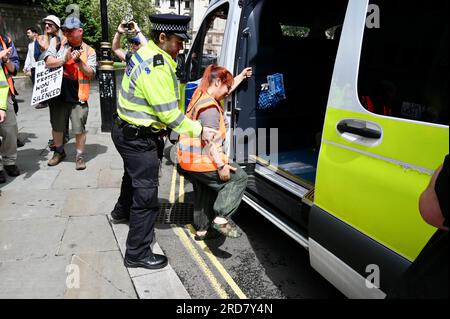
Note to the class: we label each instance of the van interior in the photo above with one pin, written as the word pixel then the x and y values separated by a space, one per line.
pixel 300 41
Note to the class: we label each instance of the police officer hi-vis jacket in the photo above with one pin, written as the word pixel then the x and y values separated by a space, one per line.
pixel 150 93
pixel 148 103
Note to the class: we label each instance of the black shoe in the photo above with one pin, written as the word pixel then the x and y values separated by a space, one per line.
pixel 20 143
pixel 12 170
pixel 2 177
pixel 152 262
pixel 117 218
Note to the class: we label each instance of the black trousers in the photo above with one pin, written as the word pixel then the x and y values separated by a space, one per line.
pixel 139 191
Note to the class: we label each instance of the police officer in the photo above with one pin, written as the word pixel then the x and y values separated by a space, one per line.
pixel 147 104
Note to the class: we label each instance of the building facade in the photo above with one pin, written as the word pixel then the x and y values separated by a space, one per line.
pixel 196 9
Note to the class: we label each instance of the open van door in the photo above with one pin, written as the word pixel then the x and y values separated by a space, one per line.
pixel 385 132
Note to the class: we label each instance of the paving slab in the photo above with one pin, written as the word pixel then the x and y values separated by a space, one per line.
pixel 88 202
pixel 110 178
pixel 36 204
pixel 38 180
pixel 36 278
pixel 101 276
pixel 31 238
pixel 162 285
pixel 87 235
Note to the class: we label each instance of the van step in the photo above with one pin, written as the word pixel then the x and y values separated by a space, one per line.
pixel 290 229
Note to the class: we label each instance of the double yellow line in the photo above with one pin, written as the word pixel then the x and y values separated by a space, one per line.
pixel 187 243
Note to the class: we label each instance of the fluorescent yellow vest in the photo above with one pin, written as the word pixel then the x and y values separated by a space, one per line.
pixel 149 94
pixel 4 89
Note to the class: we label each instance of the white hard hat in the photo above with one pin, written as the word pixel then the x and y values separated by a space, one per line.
pixel 53 19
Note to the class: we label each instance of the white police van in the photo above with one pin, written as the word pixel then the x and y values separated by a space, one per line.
pixel 363 125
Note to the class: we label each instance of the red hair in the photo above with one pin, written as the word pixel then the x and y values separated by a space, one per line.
pixel 214 72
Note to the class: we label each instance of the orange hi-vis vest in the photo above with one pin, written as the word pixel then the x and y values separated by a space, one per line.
pixel 84 83
pixel 8 76
pixel 192 152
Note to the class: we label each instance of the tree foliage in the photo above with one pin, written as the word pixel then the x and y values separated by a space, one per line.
pixel 90 15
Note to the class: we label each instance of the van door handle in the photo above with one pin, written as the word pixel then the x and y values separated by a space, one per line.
pixel 344 127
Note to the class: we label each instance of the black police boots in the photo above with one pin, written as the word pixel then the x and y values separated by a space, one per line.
pixel 152 262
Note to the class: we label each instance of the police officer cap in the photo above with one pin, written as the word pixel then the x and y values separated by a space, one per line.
pixel 171 23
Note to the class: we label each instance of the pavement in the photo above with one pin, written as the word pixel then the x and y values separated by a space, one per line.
pixel 56 239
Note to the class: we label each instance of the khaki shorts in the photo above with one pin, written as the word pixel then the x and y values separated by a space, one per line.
pixel 61 112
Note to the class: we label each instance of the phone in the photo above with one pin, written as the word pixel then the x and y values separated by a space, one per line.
pixel 128 26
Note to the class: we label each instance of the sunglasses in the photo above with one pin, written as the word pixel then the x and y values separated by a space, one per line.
pixel 49 24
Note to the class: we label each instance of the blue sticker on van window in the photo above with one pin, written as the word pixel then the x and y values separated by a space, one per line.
pixel 130 67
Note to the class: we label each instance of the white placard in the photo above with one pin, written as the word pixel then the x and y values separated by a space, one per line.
pixel 47 83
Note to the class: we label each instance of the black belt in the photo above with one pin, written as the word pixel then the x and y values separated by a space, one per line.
pixel 131 131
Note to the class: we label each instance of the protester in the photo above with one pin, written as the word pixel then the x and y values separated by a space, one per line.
pixel 33 51
pixel 79 63
pixel 218 184
pixel 52 32
pixel 9 63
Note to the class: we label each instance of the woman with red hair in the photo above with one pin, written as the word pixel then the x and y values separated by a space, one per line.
pixel 218 184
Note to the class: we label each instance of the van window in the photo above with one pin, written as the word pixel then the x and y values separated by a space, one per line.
pixel 404 61
pixel 208 44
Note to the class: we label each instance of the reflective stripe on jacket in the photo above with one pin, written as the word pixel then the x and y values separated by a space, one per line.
pixel 193 153
pixel 149 93
pixel 4 89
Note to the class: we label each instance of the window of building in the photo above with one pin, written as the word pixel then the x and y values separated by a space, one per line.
pixel 187 4
pixel 157 3
pixel 404 61
pixel 172 3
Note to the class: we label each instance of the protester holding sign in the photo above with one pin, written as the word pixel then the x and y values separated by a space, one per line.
pixel 9 63
pixel 79 62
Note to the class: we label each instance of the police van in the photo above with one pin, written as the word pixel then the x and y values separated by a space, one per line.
pixel 363 124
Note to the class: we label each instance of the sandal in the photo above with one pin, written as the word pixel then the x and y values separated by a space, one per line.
pixel 227 230
pixel 210 234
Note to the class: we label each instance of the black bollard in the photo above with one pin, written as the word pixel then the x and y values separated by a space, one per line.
pixel 106 75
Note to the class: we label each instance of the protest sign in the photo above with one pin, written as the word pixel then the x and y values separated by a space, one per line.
pixel 47 84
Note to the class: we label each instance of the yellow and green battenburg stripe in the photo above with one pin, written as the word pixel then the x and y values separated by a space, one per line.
pixel 150 95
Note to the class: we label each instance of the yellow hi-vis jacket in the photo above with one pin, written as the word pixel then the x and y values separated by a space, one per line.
pixel 4 89
pixel 149 94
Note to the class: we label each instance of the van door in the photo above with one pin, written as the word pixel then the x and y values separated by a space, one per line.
pixel 385 132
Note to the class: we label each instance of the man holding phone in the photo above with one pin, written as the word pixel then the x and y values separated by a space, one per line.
pixel 79 62
pixel 137 41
